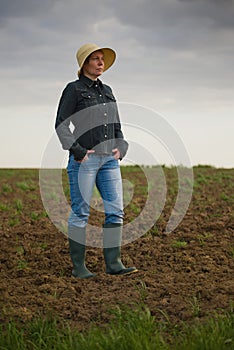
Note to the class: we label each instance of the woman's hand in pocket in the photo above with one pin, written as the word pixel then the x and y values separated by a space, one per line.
pixel 86 157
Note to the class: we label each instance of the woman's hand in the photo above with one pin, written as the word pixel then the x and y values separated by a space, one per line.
pixel 116 153
pixel 86 157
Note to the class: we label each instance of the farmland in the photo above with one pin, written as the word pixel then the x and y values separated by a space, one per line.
pixel 185 276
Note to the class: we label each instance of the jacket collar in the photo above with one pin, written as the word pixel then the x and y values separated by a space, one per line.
pixel 89 82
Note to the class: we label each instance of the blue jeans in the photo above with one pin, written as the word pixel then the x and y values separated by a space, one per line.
pixel 104 171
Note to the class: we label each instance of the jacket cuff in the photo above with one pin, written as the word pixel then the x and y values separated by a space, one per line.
pixel 78 151
pixel 122 146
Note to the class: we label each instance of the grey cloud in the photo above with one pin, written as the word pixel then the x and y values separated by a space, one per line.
pixel 165 13
pixel 174 24
pixel 57 9
pixel 32 30
pixel 175 40
pixel 219 12
pixel 186 25
pixel 154 14
pixel 24 8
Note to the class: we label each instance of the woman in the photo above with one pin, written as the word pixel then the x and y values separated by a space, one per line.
pixel 95 147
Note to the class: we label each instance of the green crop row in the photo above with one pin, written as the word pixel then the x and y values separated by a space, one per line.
pixel 134 329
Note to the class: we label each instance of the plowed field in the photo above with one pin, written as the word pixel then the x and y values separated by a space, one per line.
pixel 185 274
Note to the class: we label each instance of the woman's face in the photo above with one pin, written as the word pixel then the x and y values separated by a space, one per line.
pixel 95 65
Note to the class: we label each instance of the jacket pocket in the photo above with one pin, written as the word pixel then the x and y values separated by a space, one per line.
pixel 87 95
pixel 110 97
pixel 87 99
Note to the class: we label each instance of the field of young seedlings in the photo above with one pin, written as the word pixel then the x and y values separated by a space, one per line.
pixel 181 298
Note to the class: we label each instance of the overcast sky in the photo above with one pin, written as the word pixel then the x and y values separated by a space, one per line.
pixel 173 56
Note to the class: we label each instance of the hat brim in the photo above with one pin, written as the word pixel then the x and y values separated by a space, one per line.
pixel 109 58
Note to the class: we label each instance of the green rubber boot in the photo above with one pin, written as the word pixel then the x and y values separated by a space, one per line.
pixel 112 235
pixel 77 252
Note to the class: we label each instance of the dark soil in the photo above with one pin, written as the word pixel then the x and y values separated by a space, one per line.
pixel 177 281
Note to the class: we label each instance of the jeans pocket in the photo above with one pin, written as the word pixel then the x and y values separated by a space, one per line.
pixel 73 165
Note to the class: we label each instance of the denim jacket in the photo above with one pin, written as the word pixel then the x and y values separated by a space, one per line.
pixel 91 108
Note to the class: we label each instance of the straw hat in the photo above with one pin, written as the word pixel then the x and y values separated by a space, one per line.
pixel 86 50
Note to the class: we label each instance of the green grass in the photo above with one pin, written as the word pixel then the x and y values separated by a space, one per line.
pixel 26 186
pixel 18 205
pixel 179 244
pixel 231 252
pixel 216 334
pixel 195 306
pixel 6 188
pixel 22 265
pixel 13 221
pixel 4 207
pixel 204 237
pixel 135 329
pixel 227 198
pixel 35 216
